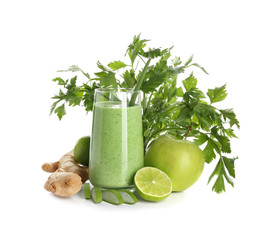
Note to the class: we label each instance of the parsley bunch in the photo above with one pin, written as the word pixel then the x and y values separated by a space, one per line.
pixel 183 111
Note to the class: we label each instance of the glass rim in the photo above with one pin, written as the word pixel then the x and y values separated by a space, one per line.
pixel 118 90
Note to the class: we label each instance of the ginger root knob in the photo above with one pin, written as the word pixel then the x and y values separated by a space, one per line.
pixel 67 176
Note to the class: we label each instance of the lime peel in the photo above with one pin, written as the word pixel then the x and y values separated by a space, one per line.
pixel 81 150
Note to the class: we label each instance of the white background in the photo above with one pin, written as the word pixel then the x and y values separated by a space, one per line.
pixel 236 41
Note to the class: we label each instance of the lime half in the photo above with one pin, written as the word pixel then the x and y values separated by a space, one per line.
pixel 152 184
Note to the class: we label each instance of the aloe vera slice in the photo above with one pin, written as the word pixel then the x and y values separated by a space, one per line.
pixel 112 196
pixel 96 195
pixel 87 190
pixel 128 197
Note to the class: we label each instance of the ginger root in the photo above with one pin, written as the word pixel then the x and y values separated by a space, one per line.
pixel 67 176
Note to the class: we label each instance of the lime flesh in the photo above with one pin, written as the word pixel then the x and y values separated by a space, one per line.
pixel 152 184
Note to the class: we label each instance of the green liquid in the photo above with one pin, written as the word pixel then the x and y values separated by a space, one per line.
pixel 116 145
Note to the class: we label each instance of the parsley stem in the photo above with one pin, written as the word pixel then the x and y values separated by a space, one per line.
pixel 147 103
pixel 136 66
pixel 188 131
pixel 141 58
pixel 144 103
pixel 139 83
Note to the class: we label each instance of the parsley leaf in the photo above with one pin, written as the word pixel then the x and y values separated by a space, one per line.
pixel 209 151
pixel 155 79
pixel 176 61
pixel 60 81
pixel 102 67
pixel 211 147
pixel 189 60
pixel 229 164
pixel 223 140
pixel 219 185
pixel 230 115
pixel 197 65
pixel 75 68
pixel 54 106
pixel 224 167
pixel 190 82
pixel 88 96
pixel 136 47
pixel 129 78
pixel 116 65
pixel 60 111
pixel 218 94
pixel 108 80
pixel 152 53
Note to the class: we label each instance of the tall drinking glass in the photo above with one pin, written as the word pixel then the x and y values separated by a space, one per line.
pixel 116 151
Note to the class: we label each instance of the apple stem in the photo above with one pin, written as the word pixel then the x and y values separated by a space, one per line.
pixel 188 131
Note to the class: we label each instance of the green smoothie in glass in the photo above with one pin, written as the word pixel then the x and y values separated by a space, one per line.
pixel 117 140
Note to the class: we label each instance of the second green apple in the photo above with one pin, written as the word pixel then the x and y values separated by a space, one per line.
pixel 181 160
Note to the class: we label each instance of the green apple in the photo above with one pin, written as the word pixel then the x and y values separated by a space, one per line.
pixel 181 160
